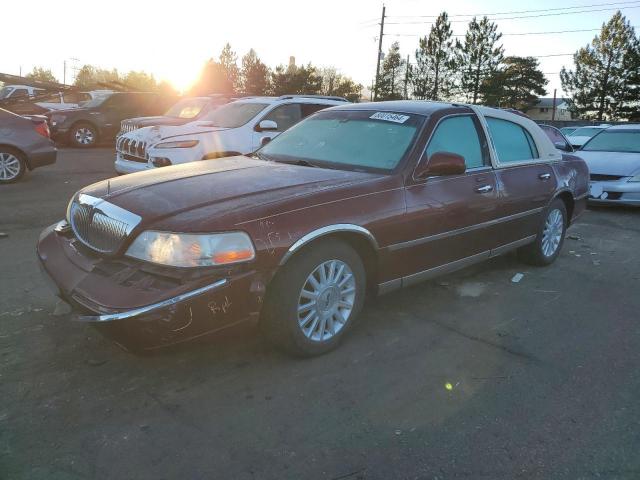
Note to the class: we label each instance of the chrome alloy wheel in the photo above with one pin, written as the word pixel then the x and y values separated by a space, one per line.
pixel 552 232
pixel 9 166
pixel 84 136
pixel 326 300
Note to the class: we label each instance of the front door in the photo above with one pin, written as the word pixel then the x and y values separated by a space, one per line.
pixel 285 116
pixel 447 217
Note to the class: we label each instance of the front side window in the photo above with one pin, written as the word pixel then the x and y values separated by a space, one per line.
pixel 234 115
pixel 512 142
pixel 615 141
pixel 20 92
pixel 458 135
pixel 350 140
pixel 286 116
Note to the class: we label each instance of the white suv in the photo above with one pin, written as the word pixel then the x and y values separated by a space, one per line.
pixel 237 128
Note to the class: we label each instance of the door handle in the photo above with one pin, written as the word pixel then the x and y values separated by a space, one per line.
pixel 484 189
pixel 544 176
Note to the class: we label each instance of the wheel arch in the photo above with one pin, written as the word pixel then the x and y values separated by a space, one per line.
pixel 359 238
pixel 19 151
pixel 569 202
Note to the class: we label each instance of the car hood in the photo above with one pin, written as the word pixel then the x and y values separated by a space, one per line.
pixel 611 163
pixel 165 132
pixel 232 187
pixel 151 121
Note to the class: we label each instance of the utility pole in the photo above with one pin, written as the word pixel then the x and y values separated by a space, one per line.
pixel 375 90
pixel 553 112
pixel 406 80
pixel 64 73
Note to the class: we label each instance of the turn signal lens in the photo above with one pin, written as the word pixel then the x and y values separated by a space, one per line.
pixel 232 256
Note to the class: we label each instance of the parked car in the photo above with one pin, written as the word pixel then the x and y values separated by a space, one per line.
pixel 185 110
pixel 19 91
pixel 613 157
pixel 557 138
pixel 236 128
pixel 99 119
pixel 24 145
pixel 355 199
pixel 582 135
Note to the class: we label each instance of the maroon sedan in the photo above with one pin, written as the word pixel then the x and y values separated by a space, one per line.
pixel 356 199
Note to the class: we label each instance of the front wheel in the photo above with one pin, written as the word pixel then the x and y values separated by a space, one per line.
pixel 314 299
pixel 83 135
pixel 12 166
pixel 550 238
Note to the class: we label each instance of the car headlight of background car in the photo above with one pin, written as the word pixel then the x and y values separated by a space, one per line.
pixel 635 178
pixel 178 144
pixel 192 250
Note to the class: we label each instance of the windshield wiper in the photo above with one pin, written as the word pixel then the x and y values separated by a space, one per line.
pixel 301 162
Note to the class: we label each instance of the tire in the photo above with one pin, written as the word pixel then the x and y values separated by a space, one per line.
pixel 12 165
pixel 302 325
pixel 83 135
pixel 550 237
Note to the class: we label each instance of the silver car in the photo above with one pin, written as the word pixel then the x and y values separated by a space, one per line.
pixel 613 157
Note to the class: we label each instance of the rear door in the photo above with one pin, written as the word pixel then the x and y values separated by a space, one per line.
pixel 526 181
pixel 448 216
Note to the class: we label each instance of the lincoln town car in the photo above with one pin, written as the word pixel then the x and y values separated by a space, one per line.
pixel 355 200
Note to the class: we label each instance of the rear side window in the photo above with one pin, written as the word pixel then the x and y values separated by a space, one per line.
pixel 458 135
pixel 512 142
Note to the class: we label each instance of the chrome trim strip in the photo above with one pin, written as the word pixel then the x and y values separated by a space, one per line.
pixel 136 312
pixel 390 286
pixel 470 228
pixel 320 232
pixel 511 246
pixel 442 269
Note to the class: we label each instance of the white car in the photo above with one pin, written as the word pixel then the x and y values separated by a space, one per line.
pixel 236 128
pixel 583 134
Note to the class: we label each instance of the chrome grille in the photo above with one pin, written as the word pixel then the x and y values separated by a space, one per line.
pixel 127 126
pixel 132 147
pixel 99 224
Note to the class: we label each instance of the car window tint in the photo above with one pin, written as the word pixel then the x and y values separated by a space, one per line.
pixel 458 135
pixel 512 142
pixel 285 116
pixel 554 135
pixel 20 92
pixel 309 108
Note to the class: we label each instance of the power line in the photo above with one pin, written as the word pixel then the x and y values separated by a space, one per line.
pixel 505 34
pixel 516 11
pixel 522 17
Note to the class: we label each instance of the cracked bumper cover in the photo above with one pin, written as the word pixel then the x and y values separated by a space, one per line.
pixel 146 316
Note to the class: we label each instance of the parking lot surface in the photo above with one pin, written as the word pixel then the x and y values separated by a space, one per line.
pixel 468 376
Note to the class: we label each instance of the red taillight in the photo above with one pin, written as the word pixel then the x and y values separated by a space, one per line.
pixel 43 129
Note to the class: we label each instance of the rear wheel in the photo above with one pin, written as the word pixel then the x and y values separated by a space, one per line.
pixel 314 299
pixel 12 165
pixel 550 238
pixel 83 135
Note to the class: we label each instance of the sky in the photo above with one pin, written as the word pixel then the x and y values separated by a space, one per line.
pixel 172 40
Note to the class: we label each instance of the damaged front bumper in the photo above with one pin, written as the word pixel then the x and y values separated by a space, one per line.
pixel 614 192
pixel 140 306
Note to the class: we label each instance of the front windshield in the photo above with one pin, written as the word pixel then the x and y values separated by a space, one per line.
pixel 615 141
pixel 5 91
pixel 234 115
pixel 187 108
pixel 586 132
pixel 95 102
pixel 361 140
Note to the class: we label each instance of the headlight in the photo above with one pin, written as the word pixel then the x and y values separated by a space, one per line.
pixel 635 179
pixel 192 250
pixel 180 144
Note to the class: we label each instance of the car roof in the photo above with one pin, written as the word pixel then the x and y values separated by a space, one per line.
pixel 420 107
pixel 630 126
pixel 291 99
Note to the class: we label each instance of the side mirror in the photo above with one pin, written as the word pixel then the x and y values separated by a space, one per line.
pixel 565 147
pixel 264 141
pixel 441 164
pixel 267 126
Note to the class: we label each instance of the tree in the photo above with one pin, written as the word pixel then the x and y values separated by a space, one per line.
pixel 90 77
pixel 140 81
pixel 433 77
pixel 42 75
pixel 334 83
pixel 605 80
pixel 295 80
pixel 229 64
pixel 478 57
pixel 390 83
pixel 254 75
pixel 516 85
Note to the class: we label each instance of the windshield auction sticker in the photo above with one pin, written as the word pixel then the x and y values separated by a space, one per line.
pixel 390 117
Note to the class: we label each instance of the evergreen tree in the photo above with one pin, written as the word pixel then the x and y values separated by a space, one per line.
pixel 90 77
pixel 41 75
pixel 606 79
pixel 334 83
pixel 433 77
pixel 254 75
pixel 229 64
pixel 391 81
pixel 303 80
pixel 517 84
pixel 479 56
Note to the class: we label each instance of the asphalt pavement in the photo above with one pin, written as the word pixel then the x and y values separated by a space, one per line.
pixel 468 376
